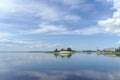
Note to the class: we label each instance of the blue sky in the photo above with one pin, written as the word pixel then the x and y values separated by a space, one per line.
pixel 50 24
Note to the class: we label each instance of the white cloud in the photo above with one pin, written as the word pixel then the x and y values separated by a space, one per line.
pixel 5 34
pixel 46 28
pixel 103 1
pixel 48 14
pixel 19 45
pixel 44 11
pixel 72 18
pixel 7 5
pixel 110 0
pixel 89 31
pixel 36 9
pixel 77 4
pixel 52 13
pixel 51 29
pixel 112 24
pixel 72 3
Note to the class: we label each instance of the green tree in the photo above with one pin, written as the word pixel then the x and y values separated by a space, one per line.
pixel 69 49
pixel 56 50
pixel 62 49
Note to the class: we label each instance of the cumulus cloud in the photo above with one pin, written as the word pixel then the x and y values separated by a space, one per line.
pixel 112 25
pixel 49 13
pixel 40 9
pixel 46 13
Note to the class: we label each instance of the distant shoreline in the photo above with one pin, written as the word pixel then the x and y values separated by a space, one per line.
pixel 21 51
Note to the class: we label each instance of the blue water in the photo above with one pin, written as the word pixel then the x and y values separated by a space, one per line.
pixel 42 66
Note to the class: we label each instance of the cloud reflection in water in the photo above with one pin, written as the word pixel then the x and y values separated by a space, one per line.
pixel 55 72
pixel 59 75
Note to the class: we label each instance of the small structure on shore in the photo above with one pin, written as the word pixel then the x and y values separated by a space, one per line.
pixel 110 49
pixel 64 52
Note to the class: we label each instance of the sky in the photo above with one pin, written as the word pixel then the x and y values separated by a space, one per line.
pixel 49 24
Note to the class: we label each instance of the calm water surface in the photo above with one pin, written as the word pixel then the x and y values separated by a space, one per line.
pixel 41 66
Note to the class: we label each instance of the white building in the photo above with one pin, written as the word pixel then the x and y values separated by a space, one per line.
pixel 110 49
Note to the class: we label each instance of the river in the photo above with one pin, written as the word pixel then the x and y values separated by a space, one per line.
pixel 42 66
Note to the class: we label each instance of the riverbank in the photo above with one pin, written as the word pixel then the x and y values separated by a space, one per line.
pixel 60 52
pixel 115 53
